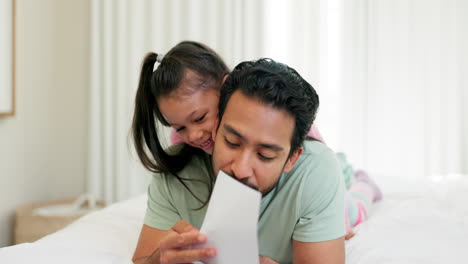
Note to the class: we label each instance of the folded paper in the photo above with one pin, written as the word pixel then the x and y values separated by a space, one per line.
pixel 230 222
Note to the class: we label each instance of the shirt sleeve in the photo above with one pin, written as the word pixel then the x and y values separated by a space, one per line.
pixel 161 212
pixel 321 202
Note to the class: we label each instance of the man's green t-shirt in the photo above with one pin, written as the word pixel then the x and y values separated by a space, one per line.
pixel 307 204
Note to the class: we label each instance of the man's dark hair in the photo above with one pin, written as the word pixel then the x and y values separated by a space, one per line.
pixel 277 85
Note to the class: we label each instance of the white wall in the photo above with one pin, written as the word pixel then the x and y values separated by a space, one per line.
pixel 43 149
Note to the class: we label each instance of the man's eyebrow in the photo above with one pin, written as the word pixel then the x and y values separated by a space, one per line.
pixel 231 130
pixel 273 147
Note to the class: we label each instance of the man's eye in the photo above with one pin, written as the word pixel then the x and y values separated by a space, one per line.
pixel 262 157
pixel 200 118
pixel 180 129
pixel 230 143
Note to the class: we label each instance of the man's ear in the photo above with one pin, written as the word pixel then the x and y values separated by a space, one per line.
pixel 293 159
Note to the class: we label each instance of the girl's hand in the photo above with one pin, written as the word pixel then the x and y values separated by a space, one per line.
pixel 176 246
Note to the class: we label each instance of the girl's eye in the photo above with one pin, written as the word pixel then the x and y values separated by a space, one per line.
pixel 180 129
pixel 230 143
pixel 264 157
pixel 200 118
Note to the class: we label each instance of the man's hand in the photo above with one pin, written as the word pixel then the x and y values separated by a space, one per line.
pixel 266 260
pixel 175 247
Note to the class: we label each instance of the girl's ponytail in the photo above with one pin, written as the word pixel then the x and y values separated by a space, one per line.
pixel 144 123
pixel 144 127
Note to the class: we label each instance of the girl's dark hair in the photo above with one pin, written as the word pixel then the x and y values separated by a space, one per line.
pixel 278 85
pixel 162 82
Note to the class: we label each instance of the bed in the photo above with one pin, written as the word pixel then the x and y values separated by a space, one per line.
pixel 417 222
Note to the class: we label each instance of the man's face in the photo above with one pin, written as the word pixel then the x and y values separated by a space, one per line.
pixel 253 141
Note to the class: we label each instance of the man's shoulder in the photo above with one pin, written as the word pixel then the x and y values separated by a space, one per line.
pixel 314 150
pixel 317 163
pixel 317 177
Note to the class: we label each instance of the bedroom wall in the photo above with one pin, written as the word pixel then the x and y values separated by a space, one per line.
pixel 43 148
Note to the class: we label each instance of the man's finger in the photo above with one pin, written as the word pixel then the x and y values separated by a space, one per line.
pixel 187 255
pixel 175 240
pixel 182 227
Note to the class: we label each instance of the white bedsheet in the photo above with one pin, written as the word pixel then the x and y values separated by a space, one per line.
pixel 106 236
pixel 415 223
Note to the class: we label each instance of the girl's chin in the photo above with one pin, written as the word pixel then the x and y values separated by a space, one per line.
pixel 209 151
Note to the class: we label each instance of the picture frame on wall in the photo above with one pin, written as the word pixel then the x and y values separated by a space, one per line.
pixel 7 55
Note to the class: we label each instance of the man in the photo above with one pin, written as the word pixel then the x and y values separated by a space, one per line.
pixel 265 112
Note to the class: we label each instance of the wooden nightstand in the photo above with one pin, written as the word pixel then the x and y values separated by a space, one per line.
pixel 31 226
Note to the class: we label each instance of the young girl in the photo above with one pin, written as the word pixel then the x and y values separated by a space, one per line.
pixel 183 92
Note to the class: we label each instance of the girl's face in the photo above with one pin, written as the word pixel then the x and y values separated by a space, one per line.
pixel 192 110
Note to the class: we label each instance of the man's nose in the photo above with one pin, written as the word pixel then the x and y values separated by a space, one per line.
pixel 242 166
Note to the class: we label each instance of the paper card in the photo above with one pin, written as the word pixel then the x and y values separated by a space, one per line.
pixel 231 222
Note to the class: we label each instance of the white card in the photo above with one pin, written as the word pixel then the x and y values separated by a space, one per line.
pixel 231 222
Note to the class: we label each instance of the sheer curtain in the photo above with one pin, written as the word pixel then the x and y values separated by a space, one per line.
pixel 389 74
pixel 403 86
